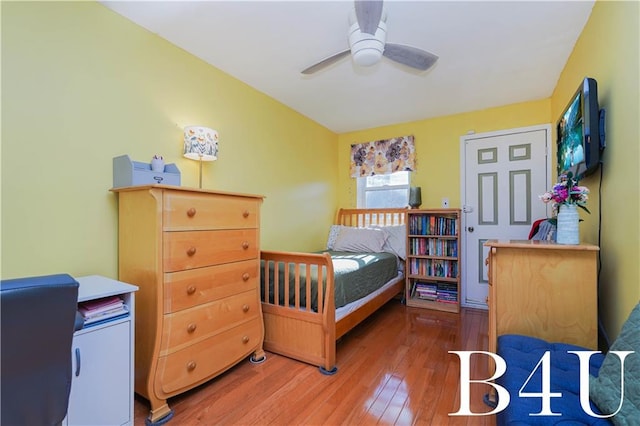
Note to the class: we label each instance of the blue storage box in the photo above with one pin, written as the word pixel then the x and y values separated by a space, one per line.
pixel 130 173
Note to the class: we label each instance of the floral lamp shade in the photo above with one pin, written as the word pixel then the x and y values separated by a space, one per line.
pixel 200 143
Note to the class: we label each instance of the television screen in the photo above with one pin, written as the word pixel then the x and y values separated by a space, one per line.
pixel 570 136
pixel 578 132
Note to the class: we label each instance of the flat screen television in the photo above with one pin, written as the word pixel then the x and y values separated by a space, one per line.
pixel 579 132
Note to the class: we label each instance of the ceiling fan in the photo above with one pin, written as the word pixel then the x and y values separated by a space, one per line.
pixel 367 41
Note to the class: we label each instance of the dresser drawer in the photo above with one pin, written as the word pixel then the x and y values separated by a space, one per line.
pixel 195 249
pixel 189 211
pixel 188 326
pixel 185 289
pixel 207 358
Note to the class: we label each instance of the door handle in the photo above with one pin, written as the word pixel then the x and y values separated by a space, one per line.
pixel 470 229
pixel 77 362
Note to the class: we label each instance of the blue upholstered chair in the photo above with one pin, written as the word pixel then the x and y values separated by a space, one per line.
pixel 38 320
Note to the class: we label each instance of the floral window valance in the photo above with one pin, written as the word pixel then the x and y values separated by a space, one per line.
pixel 383 157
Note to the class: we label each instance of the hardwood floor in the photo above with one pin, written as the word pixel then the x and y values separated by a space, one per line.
pixel 394 369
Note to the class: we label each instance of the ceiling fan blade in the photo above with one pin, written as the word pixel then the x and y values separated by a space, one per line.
pixel 410 56
pixel 368 13
pixel 326 62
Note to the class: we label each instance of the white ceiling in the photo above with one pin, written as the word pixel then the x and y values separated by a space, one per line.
pixel 491 53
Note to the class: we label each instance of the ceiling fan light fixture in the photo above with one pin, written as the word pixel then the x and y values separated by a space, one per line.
pixel 367 57
pixel 367 49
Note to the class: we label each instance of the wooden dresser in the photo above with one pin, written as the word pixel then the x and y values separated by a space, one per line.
pixel 194 254
pixel 543 289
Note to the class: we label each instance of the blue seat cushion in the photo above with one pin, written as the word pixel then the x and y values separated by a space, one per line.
pixel 522 354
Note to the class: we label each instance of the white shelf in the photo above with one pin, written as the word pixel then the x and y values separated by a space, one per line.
pixel 96 287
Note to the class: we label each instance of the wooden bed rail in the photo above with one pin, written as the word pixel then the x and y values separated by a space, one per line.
pixel 371 217
pixel 294 262
pixel 298 331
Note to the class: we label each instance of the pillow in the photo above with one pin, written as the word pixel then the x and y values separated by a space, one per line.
pixel 360 240
pixel 605 389
pixel 396 242
pixel 333 234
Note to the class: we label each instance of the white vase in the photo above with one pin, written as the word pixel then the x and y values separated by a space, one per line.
pixel 568 219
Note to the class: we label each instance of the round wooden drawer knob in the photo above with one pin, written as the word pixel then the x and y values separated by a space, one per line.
pixel 191 251
pixel 245 339
pixel 191 365
pixel 191 289
pixel 245 245
pixel 191 328
pixel 191 212
pixel 245 308
pixel 245 213
pixel 246 276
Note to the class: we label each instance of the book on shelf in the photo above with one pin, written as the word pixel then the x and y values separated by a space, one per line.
pixel 447 292
pixel 423 290
pixel 432 224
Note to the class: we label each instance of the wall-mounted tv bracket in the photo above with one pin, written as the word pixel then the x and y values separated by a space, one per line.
pixel 603 143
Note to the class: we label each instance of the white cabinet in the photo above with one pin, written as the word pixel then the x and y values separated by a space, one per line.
pixel 102 361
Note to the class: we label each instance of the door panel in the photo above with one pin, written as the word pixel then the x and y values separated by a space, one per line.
pixel 502 175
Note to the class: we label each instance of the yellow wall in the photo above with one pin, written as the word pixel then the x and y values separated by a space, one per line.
pixel 81 85
pixel 438 148
pixel 608 50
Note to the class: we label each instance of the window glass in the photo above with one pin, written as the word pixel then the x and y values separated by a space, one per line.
pixel 381 191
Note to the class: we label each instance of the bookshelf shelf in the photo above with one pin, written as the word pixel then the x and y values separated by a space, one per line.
pixel 433 262
pixel 431 278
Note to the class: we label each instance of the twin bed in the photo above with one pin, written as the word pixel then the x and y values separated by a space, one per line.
pixel 309 300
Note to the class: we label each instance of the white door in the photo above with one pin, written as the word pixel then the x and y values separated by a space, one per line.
pixel 502 174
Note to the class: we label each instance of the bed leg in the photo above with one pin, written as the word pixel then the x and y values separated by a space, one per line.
pixel 326 372
pixel 160 421
pixel 258 357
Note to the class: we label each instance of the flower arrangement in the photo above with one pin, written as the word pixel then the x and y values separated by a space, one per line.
pixel 567 191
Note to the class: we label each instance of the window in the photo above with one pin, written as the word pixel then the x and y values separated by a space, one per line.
pixel 380 191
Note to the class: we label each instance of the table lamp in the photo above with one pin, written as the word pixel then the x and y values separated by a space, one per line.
pixel 200 143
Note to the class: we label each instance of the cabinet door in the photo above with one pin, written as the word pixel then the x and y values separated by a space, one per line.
pixel 101 389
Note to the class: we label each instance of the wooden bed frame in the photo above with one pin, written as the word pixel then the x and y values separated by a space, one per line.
pixel 297 331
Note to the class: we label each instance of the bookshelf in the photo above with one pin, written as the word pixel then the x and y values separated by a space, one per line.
pixel 433 259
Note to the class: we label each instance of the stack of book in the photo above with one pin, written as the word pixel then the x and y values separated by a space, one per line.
pixel 425 291
pixel 447 293
pixel 98 310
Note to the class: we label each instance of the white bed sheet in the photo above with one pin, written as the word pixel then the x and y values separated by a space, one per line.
pixel 347 309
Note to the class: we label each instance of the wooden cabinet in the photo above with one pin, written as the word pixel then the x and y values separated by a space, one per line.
pixel 433 259
pixel 102 360
pixel 195 256
pixel 543 289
